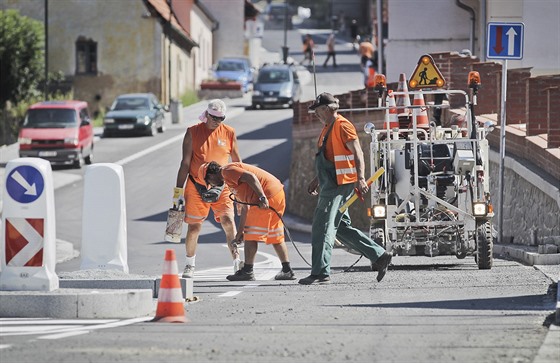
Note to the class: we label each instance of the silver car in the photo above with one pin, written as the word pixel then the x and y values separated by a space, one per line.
pixel 277 85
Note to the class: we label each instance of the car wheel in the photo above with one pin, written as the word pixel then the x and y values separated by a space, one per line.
pixel 78 163
pixel 89 159
pixel 153 129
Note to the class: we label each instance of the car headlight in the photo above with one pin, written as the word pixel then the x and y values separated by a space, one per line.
pixel 71 141
pixel 143 119
pixel 109 120
pixel 286 92
pixel 480 209
pixel 24 140
pixel 379 212
pixel 256 92
pixel 242 79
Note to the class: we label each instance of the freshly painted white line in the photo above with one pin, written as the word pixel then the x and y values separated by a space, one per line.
pixel 230 294
pixel 24 321
pixel 30 330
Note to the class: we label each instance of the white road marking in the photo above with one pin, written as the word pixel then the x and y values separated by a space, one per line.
pixel 60 328
pixel 230 294
pixel 5 346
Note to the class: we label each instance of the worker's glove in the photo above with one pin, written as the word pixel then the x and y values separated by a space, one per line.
pixel 178 198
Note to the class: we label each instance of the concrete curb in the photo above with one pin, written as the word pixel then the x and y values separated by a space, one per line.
pixel 77 303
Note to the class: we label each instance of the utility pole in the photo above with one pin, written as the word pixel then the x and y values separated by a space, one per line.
pixel 285 47
pixel 46 87
pixel 169 51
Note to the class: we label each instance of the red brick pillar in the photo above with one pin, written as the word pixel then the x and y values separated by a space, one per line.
pixel 517 95
pixel 491 89
pixel 553 117
pixel 540 104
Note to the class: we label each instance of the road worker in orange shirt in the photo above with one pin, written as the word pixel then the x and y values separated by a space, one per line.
pixel 209 140
pixel 262 200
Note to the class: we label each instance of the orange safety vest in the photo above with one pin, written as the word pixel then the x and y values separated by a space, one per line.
pixel 344 162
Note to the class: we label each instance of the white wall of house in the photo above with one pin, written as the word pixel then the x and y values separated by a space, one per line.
pixel 420 27
pixel 229 39
pixel 201 32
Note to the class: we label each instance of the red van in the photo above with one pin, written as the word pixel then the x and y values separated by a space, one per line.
pixel 58 131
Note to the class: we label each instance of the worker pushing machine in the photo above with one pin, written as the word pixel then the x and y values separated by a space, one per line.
pixel 262 200
pixel 339 165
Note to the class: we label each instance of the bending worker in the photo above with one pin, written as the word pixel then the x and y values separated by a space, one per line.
pixel 257 222
pixel 339 164
pixel 209 140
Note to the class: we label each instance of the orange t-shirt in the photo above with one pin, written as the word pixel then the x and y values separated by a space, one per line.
pixel 347 132
pixel 242 191
pixel 210 145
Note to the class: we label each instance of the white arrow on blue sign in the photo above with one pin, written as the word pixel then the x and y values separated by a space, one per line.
pixel 505 41
pixel 25 184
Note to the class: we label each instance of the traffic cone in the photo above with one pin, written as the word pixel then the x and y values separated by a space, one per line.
pixel 403 101
pixel 420 113
pixel 391 118
pixel 170 307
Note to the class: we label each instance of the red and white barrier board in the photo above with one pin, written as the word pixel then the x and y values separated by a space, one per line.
pixel 28 233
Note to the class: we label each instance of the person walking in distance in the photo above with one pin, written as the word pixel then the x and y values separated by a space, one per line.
pixel 330 50
pixel 366 52
pixel 339 167
pixel 208 140
pixel 262 200
pixel 308 46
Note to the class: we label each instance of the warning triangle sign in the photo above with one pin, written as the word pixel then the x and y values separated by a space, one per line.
pixel 426 74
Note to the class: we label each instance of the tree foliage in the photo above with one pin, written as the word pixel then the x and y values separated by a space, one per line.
pixel 22 41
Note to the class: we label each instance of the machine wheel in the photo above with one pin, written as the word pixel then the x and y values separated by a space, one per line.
pixel 484 246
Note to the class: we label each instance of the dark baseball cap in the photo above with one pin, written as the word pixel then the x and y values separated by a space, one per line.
pixel 324 98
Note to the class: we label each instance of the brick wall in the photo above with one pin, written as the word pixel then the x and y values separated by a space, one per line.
pixel 541 106
pixel 517 95
pixel 554 118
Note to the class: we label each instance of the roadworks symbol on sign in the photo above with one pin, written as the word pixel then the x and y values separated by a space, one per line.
pixel 426 74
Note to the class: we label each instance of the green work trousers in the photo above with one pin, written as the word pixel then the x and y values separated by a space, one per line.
pixel 329 223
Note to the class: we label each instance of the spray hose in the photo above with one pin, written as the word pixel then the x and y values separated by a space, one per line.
pixel 232 197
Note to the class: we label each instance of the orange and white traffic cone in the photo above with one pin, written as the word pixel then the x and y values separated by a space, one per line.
pixel 170 307
pixel 420 114
pixel 391 117
pixel 402 101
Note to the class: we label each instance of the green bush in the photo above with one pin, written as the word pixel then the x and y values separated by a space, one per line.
pixel 189 97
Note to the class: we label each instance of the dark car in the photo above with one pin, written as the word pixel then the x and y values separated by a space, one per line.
pixel 277 85
pixel 58 131
pixel 134 113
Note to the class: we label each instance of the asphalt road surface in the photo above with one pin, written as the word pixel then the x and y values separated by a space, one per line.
pixel 437 309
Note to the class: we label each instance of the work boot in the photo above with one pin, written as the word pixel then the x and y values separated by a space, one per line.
pixel 241 275
pixel 285 275
pixel 315 279
pixel 188 272
pixel 382 265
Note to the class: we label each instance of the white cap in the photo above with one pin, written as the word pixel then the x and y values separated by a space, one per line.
pixel 216 107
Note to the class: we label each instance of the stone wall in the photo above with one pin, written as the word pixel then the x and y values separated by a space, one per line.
pixel 531 203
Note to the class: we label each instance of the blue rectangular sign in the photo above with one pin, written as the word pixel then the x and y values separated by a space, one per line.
pixel 505 41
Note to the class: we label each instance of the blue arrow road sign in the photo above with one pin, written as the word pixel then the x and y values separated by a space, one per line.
pixel 25 184
pixel 505 41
